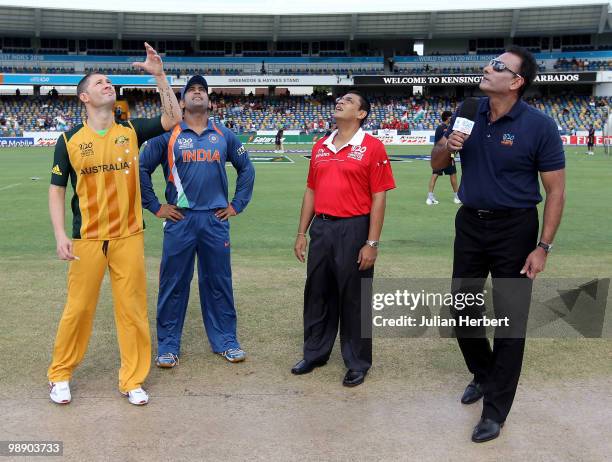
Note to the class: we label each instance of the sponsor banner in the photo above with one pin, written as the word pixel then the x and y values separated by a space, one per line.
pixel 43 138
pixel 574 140
pixel 420 139
pixel 427 138
pixel 73 79
pixel 288 139
pixel 391 138
pixel 486 58
pixel 566 77
pixel 421 80
pixel 192 59
pixel 13 142
pixel 468 79
pixel 26 57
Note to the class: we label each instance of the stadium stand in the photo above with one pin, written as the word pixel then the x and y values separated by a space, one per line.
pixel 581 65
pixel 311 70
pixel 18 114
pixel 576 61
pixel 306 113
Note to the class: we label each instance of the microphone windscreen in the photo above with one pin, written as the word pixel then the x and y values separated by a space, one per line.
pixel 464 122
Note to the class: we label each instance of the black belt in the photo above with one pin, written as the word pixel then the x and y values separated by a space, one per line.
pixel 325 216
pixel 485 214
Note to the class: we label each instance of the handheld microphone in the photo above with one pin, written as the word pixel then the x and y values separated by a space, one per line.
pixel 464 122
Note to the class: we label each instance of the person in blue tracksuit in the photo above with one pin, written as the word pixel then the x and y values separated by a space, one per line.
pixel 193 157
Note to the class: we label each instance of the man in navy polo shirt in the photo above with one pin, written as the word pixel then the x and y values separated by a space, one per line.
pixel 344 206
pixel 193 157
pixel 497 226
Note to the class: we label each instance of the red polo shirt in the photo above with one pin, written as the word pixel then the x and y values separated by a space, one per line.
pixel 344 180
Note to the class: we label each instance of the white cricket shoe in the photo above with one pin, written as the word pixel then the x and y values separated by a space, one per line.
pixel 456 200
pixel 137 396
pixel 431 201
pixel 59 392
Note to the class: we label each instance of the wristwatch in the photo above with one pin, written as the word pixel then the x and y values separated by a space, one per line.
pixel 547 247
pixel 373 244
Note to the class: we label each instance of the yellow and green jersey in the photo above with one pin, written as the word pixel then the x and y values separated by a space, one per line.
pixel 104 173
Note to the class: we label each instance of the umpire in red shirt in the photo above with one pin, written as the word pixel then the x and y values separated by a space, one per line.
pixel 344 206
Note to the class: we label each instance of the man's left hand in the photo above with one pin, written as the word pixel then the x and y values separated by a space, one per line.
pixel 535 263
pixel 367 257
pixel 224 214
pixel 153 64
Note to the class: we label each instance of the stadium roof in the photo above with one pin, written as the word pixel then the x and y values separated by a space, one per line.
pixel 282 20
pixel 282 7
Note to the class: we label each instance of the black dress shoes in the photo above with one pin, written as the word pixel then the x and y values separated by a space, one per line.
pixel 353 378
pixel 486 430
pixel 472 393
pixel 304 367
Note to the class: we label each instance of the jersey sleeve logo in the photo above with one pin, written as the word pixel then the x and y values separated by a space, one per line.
pixel 56 170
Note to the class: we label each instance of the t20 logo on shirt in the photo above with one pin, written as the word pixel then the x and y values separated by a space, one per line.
pixel 86 149
pixel 321 153
pixel 185 143
pixel 357 152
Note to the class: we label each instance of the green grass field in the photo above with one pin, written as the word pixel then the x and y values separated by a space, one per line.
pixel 268 281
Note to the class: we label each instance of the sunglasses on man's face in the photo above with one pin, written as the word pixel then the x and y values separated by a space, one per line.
pixel 500 66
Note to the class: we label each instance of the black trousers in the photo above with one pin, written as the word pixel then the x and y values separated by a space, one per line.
pixel 334 290
pixel 497 244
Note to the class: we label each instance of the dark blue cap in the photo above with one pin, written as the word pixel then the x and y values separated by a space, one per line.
pixel 194 80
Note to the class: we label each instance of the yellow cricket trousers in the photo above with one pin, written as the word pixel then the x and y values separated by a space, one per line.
pixel 125 260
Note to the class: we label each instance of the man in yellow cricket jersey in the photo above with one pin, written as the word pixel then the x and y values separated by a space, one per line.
pixel 100 157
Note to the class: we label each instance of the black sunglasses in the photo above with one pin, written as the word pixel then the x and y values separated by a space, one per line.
pixel 500 66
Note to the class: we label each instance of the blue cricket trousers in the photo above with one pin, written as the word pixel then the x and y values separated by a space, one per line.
pixel 200 233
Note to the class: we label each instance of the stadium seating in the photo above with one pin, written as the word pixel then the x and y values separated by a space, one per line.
pixel 310 113
pixel 114 65
pixel 583 65
pixel 38 114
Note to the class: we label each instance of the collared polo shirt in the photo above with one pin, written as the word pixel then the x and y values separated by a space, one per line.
pixel 343 180
pixel 500 160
